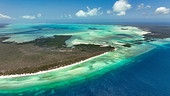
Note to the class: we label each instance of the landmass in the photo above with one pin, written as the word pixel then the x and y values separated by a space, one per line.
pixel 157 31
pixel 3 25
pixel 43 54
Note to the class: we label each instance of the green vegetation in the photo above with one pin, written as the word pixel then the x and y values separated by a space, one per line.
pixel 44 54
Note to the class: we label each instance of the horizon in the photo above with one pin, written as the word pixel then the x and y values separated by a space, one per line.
pixel 84 11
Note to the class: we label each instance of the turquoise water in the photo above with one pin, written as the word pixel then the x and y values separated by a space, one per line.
pixel 50 82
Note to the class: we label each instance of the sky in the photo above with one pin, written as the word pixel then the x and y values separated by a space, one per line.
pixel 84 10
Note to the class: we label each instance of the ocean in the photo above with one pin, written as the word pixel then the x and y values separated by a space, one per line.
pixel 147 76
pixel 141 70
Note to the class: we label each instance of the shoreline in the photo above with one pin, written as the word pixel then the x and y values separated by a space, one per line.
pixel 46 71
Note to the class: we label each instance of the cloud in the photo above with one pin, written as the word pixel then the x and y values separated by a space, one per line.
pixel 121 7
pixel 162 10
pixel 144 13
pixel 66 16
pixel 109 11
pixel 2 16
pixel 121 13
pixel 28 17
pixel 39 15
pixel 90 12
pixel 142 6
pixel 32 17
pixel 69 15
pixel 81 13
pixel 148 6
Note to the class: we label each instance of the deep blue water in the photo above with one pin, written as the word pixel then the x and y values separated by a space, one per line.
pixel 147 76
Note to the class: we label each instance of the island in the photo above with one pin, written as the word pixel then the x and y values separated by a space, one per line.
pixel 44 54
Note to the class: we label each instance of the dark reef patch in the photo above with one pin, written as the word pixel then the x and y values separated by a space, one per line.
pixel 3 25
pixel 156 31
pixel 93 28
